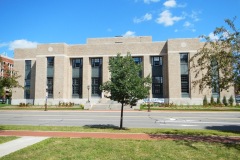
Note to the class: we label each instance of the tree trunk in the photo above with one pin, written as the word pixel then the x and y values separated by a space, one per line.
pixel 121 119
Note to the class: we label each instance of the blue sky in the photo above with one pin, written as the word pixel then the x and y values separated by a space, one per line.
pixel 26 23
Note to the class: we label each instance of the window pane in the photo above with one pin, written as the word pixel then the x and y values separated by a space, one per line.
pixel 50 61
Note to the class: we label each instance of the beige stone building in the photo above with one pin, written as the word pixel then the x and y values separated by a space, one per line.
pixel 73 73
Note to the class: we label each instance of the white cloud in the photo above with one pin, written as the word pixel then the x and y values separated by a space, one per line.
pixel 194 15
pixel 226 34
pixel 22 43
pixel 167 19
pixel 170 3
pixel 150 1
pixel 213 37
pixel 187 24
pixel 129 34
pixel 146 17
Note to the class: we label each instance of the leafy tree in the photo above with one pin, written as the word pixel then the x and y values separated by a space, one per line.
pixel 8 81
pixel 126 86
pixel 218 60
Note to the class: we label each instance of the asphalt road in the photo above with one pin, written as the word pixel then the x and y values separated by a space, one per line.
pixel 136 119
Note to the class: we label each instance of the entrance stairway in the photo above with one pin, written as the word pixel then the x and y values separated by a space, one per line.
pixel 104 104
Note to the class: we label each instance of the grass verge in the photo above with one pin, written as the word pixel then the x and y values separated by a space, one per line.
pixel 114 129
pixel 7 138
pixel 193 108
pixel 87 148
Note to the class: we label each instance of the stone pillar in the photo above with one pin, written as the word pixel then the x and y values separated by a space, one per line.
pixel 18 93
pixel 41 80
pixel 105 71
pixel 147 69
pixel 60 91
pixel 86 77
pixel 174 75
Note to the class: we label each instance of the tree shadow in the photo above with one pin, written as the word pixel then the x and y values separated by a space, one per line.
pixel 191 140
pixel 2 128
pixel 104 126
pixel 225 128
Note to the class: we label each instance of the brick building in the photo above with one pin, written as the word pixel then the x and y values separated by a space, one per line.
pixel 6 65
pixel 73 73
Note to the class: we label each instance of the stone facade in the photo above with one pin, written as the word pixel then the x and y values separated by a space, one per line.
pixel 104 48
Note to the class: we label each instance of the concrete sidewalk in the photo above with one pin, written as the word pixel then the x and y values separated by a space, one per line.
pixel 17 144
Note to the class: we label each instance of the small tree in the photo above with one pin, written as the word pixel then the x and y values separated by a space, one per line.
pixel 126 86
pixel 224 101
pixel 230 101
pixel 205 101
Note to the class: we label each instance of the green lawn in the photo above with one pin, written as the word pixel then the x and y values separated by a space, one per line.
pixel 107 149
pixel 6 139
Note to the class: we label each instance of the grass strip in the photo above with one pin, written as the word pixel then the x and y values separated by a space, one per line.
pixel 102 149
pixel 111 129
pixel 4 139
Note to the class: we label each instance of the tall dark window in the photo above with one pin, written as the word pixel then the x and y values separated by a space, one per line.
pixel 96 76
pixel 157 77
pixel 215 79
pixel 184 74
pixel 77 78
pixel 27 85
pixel 138 60
pixel 50 76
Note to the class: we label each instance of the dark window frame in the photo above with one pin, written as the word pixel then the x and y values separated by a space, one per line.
pixel 96 62
pixel 27 80
pixel 185 84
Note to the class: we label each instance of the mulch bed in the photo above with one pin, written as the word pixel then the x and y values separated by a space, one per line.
pixel 136 136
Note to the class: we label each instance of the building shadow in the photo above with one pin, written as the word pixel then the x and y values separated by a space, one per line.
pixel 104 126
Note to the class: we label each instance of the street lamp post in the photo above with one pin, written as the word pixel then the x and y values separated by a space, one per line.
pixel 46 99
pixel 88 87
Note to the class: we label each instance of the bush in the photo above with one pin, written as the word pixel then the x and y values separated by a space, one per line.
pixel 218 100
pixel 224 101
pixel 230 101
pixel 81 106
pixel 212 101
pixel 205 101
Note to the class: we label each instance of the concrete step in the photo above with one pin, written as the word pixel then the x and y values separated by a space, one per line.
pixel 109 107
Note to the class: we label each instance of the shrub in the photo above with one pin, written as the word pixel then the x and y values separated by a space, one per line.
pixel 81 106
pixel 205 101
pixel 212 101
pixel 224 101
pixel 218 100
pixel 230 101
